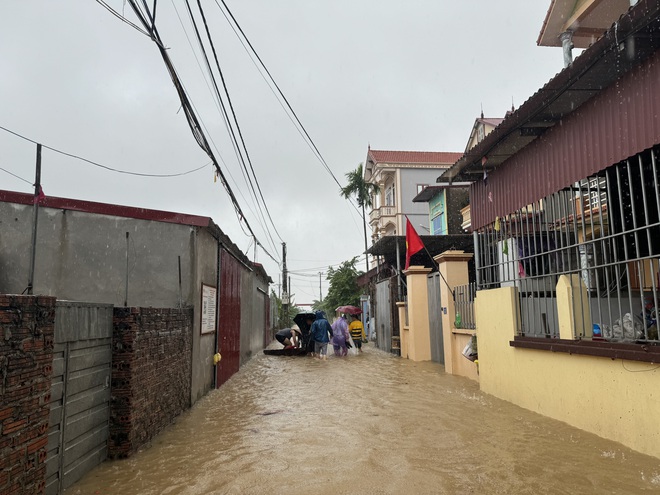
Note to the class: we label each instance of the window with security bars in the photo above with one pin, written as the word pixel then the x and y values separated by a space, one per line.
pixel 605 230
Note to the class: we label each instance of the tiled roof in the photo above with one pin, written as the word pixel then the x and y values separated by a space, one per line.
pixel 415 157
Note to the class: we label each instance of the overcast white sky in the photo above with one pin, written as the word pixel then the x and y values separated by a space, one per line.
pixel 397 75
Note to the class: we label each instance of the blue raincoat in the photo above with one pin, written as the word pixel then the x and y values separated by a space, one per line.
pixel 321 329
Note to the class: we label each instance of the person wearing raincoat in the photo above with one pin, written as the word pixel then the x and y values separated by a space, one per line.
pixel 357 332
pixel 321 332
pixel 340 337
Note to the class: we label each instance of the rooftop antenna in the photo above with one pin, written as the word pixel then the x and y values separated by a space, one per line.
pixel 512 107
pixel 482 110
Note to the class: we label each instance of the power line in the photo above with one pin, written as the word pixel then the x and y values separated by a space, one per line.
pixel 91 162
pixel 300 127
pixel 225 114
pixel 191 116
pixel 286 101
pixel 231 107
pixel 20 178
pixel 121 17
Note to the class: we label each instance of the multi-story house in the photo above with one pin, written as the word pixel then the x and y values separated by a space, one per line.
pixel 402 175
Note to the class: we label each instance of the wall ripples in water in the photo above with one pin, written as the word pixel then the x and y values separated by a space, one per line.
pixel 368 424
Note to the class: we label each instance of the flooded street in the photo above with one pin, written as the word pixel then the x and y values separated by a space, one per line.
pixel 372 424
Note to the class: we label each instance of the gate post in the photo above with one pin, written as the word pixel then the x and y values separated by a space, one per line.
pixel 453 266
pixel 419 331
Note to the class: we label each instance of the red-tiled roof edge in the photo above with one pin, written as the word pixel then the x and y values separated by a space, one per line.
pixel 105 209
pixel 399 156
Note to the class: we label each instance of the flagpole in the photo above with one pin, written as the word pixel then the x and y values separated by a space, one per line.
pixel 398 270
pixel 453 294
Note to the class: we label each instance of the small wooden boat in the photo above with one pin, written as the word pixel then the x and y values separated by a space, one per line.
pixel 285 352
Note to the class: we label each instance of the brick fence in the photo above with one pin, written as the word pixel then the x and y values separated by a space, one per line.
pixel 151 373
pixel 26 360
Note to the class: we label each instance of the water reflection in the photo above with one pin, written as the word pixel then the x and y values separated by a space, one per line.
pixel 371 424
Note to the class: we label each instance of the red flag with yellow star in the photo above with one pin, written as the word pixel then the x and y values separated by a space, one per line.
pixel 414 243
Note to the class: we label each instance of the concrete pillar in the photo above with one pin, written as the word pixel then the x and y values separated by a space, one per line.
pixel 573 308
pixel 453 266
pixel 419 331
pixel 403 329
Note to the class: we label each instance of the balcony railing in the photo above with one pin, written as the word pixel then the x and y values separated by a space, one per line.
pixel 383 211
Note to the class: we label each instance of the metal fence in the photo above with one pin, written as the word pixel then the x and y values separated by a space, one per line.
pixel 604 233
pixel 464 305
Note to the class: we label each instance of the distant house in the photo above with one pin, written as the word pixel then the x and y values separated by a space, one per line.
pixel 401 175
pixel 565 204
pixel 446 204
pixel 481 128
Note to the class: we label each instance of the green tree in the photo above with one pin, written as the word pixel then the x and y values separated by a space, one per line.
pixel 293 311
pixel 343 288
pixel 363 192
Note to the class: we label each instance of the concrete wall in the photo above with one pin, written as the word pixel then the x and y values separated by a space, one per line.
pixel 253 317
pixel 82 257
pixel 26 366
pixel 609 397
pixel 150 374
pixel 203 346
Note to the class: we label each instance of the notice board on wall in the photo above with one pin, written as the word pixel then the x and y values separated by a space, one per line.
pixel 209 308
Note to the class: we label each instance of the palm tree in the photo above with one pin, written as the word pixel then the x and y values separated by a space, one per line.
pixel 362 191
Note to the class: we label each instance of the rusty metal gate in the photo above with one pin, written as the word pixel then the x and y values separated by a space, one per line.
pixel 80 392
pixel 435 318
pixel 229 321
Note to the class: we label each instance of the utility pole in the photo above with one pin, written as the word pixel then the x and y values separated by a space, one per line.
pixel 35 219
pixel 320 292
pixel 285 289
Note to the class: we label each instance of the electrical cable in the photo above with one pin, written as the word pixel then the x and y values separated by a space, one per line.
pixel 304 134
pixel 233 113
pixel 225 114
pixel 193 121
pixel 91 162
pixel 320 156
pixel 121 17
pixel 20 178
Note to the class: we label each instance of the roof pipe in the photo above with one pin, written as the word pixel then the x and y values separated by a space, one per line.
pixel 567 44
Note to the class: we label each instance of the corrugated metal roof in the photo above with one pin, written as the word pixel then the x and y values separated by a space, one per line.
pixel 598 111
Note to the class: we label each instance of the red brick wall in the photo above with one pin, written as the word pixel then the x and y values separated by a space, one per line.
pixel 151 374
pixel 26 359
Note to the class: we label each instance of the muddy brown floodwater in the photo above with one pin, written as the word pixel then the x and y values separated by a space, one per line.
pixel 368 424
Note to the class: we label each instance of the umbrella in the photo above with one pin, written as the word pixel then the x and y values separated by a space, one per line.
pixel 301 320
pixel 351 310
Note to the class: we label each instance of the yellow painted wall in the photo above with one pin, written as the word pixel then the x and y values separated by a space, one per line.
pixel 596 394
pixel 462 366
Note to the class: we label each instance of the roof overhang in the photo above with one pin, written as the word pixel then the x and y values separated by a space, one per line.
pixel 587 20
pixel 429 192
pixel 593 71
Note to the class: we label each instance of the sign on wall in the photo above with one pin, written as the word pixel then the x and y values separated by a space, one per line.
pixel 209 308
